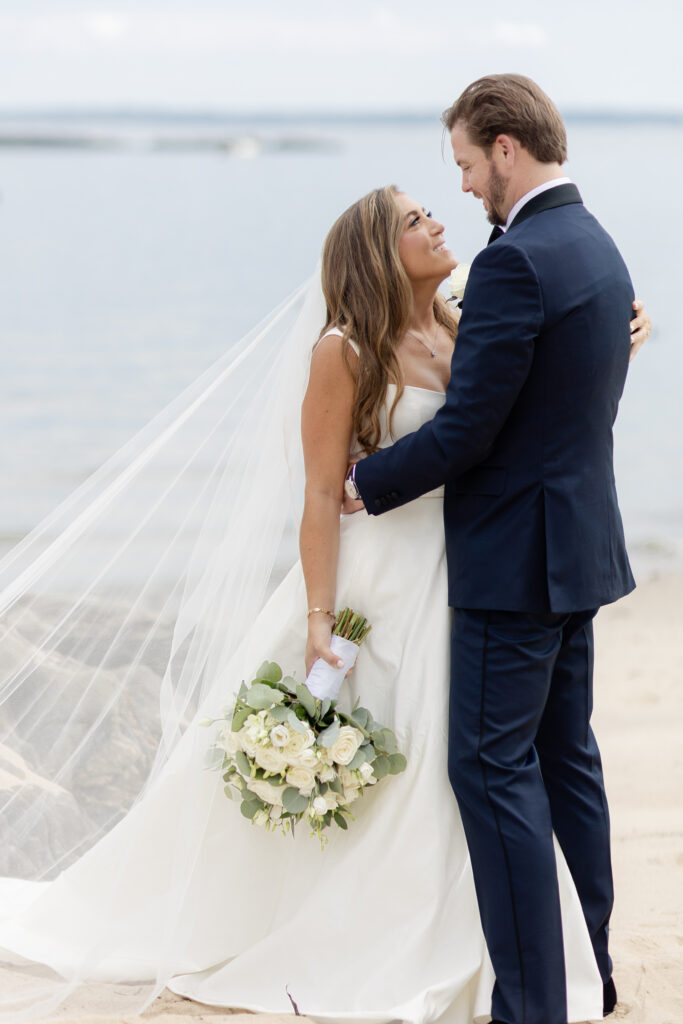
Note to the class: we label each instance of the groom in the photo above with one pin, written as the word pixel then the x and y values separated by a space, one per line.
pixel 533 533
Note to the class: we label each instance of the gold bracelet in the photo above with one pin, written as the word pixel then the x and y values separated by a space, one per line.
pixel 324 612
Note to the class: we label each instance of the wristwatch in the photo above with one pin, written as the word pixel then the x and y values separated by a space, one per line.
pixel 350 484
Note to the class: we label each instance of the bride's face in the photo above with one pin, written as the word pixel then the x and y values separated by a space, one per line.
pixel 422 247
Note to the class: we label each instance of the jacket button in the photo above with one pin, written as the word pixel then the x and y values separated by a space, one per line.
pixel 377 502
pixel 394 495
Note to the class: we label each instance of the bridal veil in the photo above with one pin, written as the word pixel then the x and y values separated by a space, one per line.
pixel 119 616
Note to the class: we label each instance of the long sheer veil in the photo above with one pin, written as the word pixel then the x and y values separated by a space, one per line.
pixel 119 617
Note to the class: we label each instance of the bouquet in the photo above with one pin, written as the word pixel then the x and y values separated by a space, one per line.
pixel 457 282
pixel 290 756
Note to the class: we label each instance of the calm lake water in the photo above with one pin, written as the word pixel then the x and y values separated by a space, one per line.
pixel 125 270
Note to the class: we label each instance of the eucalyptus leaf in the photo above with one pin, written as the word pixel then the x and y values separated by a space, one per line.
pixel 381 766
pixel 398 763
pixel 290 683
pixel 293 801
pixel 295 723
pixel 250 805
pixel 279 714
pixel 336 785
pixel 326 705
pixel 322 788
pixel 230 792
pixel 361 716
pixel 242 762
pixel 384 740
pixel 329 736
pixel 261 696
pixel 239 718
pixel 307 699
pixel 242 689
pixel 359 758
pixel 340 820
pixel 270 672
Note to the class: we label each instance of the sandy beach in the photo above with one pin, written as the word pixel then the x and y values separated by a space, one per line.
pixel 639 721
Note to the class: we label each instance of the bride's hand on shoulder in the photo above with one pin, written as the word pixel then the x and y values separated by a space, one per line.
pixel 318 641
pixel 641 327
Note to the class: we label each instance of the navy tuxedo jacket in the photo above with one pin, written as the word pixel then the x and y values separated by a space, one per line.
pixel 523 442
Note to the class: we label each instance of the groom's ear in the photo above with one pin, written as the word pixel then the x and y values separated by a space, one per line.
pixel 506 148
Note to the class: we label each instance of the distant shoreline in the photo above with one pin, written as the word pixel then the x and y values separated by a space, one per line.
pixel 332 117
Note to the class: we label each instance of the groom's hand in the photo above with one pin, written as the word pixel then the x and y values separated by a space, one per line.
pixel 351 505
pixel 641 327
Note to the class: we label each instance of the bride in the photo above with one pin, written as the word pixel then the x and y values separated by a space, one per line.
pixel 139 606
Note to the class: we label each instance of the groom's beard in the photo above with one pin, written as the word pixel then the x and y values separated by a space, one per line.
pixel 495 193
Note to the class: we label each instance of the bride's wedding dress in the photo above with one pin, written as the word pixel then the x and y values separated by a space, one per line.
pixel 383 923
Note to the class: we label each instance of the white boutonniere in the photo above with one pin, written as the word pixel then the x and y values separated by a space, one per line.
pixel 458 280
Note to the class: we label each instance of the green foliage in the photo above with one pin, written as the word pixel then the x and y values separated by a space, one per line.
pixel 243 763
pixel 269 672
pixel 398 764
pixel 381 766
pixel 293 801
pixel 261 696
pixel 341 820
pixel 329 735
pixel 239 718
pixel 307 699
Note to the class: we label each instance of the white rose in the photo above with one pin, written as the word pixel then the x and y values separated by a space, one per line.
pixel 279 736
pixel 458 280
pixel 367 774
pixel 264 791
pixel 350 795
pixel 327 773
pixel 307 759
pixel 320 805
pixel 230 741
pixel 249 746
pixel 297 742
pixel 331 800
pixel 302 779
pixel 270 759
pixel 347 743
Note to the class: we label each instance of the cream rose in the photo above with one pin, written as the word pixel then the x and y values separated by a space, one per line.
pixel 302 779
pixel 327 773
pixel 264 791
pixel 280 735
pixel 350 795
pixel 298 741
pixel 344 748
pixel 320 806
pixel 458 280
pixel 307 759
pixel 270 759
pixel 367 774
pixel 331 800
pixel 230 741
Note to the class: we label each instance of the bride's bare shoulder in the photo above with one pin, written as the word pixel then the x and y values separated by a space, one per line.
pixel 334 355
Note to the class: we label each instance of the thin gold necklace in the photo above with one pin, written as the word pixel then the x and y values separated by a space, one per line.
pixel 430 348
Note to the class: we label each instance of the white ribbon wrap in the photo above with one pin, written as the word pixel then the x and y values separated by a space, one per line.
pixel 324 680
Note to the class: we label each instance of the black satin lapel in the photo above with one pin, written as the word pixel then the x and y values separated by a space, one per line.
pixel 496 233
pixel 560 195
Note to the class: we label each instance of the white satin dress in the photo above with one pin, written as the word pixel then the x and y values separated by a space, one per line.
pixel 383 923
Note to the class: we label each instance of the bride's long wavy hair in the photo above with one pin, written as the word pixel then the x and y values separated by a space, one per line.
pixel 369 297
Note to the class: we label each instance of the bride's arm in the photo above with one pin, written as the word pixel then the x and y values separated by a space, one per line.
pixel 326 427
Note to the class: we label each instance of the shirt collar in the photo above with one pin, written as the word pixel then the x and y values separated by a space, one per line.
pixel 530 195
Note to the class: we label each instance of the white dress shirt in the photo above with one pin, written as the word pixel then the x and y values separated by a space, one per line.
pixel 530 195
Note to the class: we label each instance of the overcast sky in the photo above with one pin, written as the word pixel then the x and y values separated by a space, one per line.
pixel 316 54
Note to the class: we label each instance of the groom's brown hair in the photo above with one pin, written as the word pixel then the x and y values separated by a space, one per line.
pixel 510 105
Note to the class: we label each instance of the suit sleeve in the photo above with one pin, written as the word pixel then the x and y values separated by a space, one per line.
pixel 501 320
